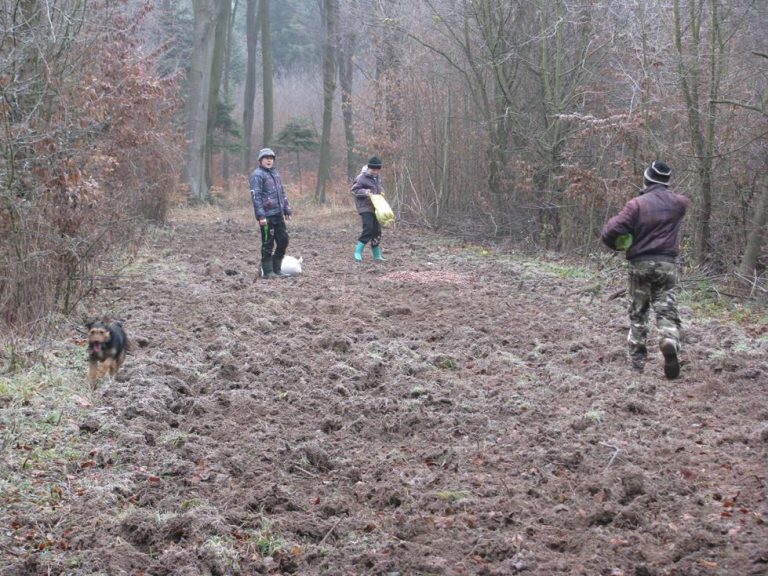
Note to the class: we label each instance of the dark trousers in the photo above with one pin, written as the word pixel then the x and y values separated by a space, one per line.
pixel 371 229
pixel 274 232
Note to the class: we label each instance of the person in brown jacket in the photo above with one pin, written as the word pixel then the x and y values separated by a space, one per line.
pixel 648 228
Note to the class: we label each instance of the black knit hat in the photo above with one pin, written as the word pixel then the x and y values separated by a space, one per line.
pixel 658 173
pixel 374 162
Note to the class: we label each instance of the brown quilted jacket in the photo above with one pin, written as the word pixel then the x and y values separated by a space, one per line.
pixel 654 220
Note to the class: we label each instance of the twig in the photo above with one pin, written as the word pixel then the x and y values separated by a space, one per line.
pixel 329 532
pixel 473 549
pixel 616 451
pixel 9 550
pixel 307 472
pixel 617 294
pixel 509 492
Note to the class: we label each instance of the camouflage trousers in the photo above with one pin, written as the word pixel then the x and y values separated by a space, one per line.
pixel 652 283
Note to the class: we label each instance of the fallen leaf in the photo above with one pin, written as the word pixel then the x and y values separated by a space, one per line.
pixel 619 542
pixel 687 473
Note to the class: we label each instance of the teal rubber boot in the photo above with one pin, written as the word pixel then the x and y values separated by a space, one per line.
pixel 359 251
pixel 377 253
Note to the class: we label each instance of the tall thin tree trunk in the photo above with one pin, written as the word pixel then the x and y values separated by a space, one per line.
pixel 225 87
pixel 330 21
pixel 346 72
pixel 266 68
pixel 217 69
pixel 253 12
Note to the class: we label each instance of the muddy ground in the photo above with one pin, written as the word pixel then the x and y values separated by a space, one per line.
pixel 454 410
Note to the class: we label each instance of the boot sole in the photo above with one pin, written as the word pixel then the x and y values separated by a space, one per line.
pixel 671 363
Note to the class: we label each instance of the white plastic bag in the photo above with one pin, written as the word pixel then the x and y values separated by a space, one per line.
pixel 291 265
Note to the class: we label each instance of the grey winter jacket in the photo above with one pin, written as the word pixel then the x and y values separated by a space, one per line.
pixel 268 194
pixel 364 183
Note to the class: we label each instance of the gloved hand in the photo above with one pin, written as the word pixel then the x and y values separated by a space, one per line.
pixel 624 241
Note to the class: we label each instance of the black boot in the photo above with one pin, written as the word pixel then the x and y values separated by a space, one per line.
pixel 671 361
pixel 266 270
pixel 277 265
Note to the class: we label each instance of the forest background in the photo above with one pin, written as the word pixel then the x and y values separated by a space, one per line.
pixel 522 121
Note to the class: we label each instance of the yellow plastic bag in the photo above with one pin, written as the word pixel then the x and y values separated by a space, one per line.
pixel 384 213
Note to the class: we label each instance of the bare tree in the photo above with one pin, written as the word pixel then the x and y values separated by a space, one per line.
pixel 701 111
pixel 252 26
pixel 757 234
pixel 475 39
pixel 330 49
pixel 267 72
pixel 346 82
pixel 226 85
pixel 201 79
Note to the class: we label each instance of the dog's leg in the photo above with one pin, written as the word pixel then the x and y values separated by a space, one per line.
pixel 120 360
pixel 109 366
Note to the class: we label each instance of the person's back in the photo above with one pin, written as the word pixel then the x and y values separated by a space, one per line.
pixel 654 219
pixel 652 223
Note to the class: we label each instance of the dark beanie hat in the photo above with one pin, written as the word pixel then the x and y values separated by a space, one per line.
pixel 374 162
pixel 658 173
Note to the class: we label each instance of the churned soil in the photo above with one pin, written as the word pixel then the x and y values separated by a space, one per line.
pixel 453 410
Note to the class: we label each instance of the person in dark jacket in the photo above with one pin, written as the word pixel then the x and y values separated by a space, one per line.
pixel 272 209
pixel 648 228
pixel 368 182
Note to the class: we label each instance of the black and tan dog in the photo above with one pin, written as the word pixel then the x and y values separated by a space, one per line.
pixel 107 345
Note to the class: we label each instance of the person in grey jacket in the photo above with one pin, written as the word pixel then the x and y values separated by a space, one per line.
pixel 368 182
pixel 272 209
pixel 649 229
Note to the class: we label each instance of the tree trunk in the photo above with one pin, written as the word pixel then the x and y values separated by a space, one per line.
pixel 225 87
pixel 249 97
pixel 217 70
pixel 701 124
pixel 756 237
pixel 200 77
pixel 266 60
pixel 330 21
pixel 387 113
pixel 346 74
pixel 298 168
